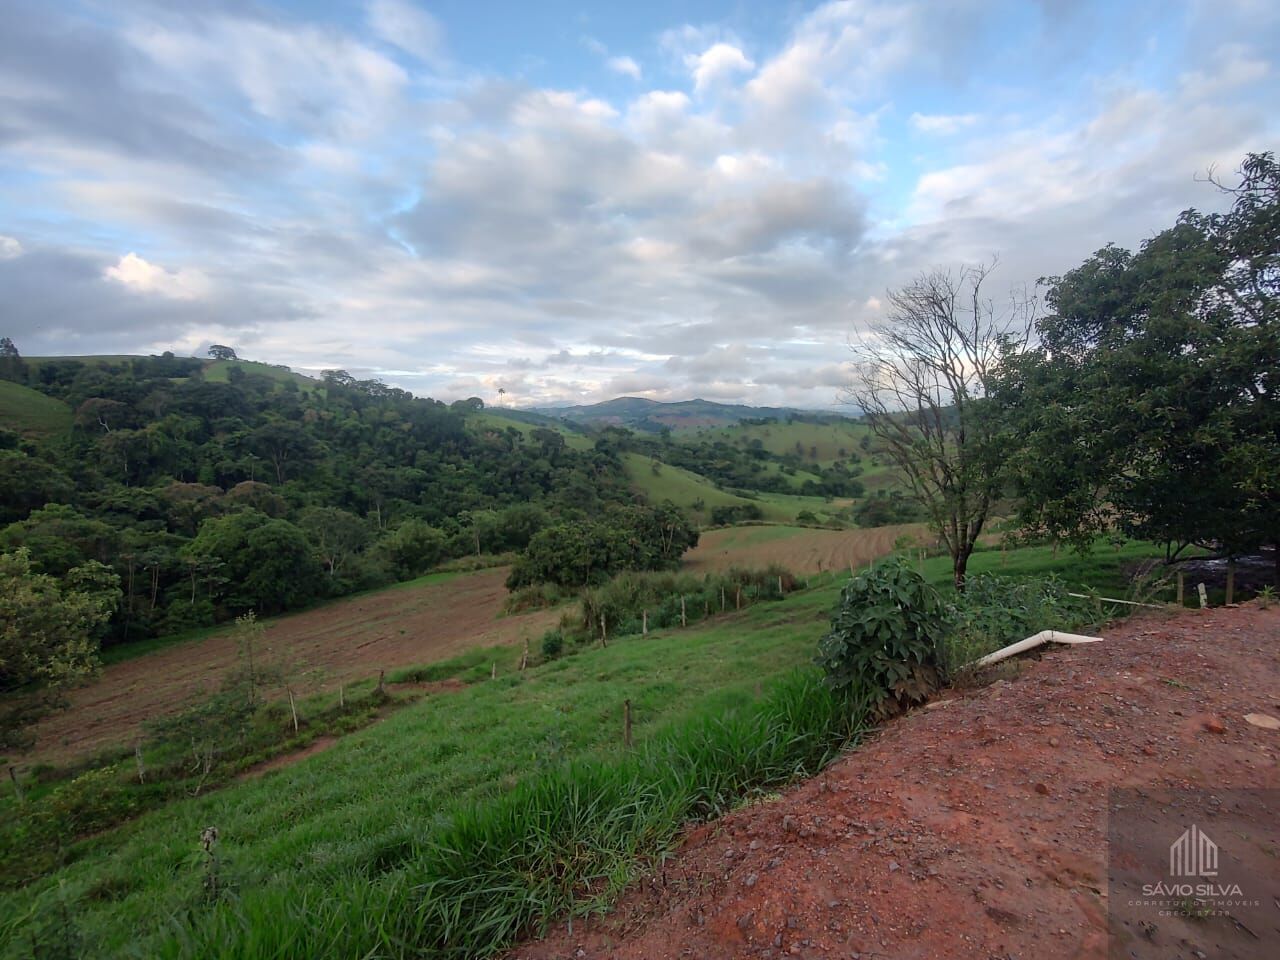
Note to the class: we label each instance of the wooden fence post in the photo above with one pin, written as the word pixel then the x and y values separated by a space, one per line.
pixel 142 771
pixel 17 787
pixel 493 670
pixel 1182 582
pixel 382 687
pixel 342 696
pixel 293 708
pixel 684 621
pixel 644 623
pixel 524 659
pixel 722 603
pixel 1204 595
pixel 604 632
pixel 626 723
pixel 737 598
pixel 780 593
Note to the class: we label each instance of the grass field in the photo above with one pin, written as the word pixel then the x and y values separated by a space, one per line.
pixel 824 439
pixel 30 413
pixel 684 488
pixel 331 840
pixel 306 832
pixel 802 550
pixel 219 371
pixel 494 420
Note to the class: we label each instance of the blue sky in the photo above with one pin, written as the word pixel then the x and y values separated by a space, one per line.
pixel 570 202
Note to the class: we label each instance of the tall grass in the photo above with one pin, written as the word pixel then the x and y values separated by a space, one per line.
pixel 561 842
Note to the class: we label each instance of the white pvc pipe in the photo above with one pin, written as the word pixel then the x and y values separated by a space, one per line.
pixel 1044 636
pixel 1132 603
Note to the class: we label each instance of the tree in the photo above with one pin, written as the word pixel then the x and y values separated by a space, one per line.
pixel 48 639
pixel 335 534
pixel 1152 404
pixel 12 366
pixel 922 382
pixel 221 352
pixel 414 547
pixel 267 564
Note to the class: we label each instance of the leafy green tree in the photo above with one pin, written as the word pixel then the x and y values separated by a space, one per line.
pixel 267 565
pixel 48 638
pixel 58 537
pixel 222 352
pixel 27 483
pixel 414 547
pixel 1152 405
pixel 12 366
pixel 336 535
pixel 585 553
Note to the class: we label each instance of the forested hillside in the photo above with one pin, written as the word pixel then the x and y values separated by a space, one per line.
pixel 215 488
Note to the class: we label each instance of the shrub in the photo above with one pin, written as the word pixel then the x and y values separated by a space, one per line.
pixel 883 634
pixel 996 611
pixel 735 513
pixel 552 644
pixel 536 596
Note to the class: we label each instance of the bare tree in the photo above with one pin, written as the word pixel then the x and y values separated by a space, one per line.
pixel 921 385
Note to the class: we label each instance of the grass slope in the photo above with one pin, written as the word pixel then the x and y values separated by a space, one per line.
pixel 824 439
pixel 335 823
pixel 219 371
pixel 684 487
pixel 30 413
pixel 334 837
pixel 827 439
pixel 494 420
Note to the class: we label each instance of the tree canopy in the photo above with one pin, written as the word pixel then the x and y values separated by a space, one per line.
pixel 1151 404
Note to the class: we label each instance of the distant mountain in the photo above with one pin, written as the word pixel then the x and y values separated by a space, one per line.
pixel 638 413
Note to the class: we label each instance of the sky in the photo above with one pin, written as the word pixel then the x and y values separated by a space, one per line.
pixel 568 202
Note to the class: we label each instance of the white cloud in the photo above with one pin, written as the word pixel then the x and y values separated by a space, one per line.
pixel 625 66
pixel 941 123
pixel 408 27
pixel 715 64
pixel 10 248
pixel 142 276
pixel 309 76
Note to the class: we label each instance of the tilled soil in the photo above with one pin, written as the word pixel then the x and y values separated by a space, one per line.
pixel 977 827
pixel 808 551
pixel 342 641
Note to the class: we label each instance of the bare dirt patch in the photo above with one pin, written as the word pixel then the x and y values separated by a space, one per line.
pixel 318 745
pixel 346 640
pixel 978 829
pixel 804 551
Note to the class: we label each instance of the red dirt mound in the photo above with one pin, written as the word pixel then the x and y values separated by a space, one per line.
pixel 977 827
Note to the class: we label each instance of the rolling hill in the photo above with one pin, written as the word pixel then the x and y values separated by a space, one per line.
pixel 30 413
pixel 639 413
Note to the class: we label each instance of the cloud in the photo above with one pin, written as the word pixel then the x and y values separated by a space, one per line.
pixel 140 276
pixel 456 229
pixel 625 66
pixel 715 64
pixel 408 27
pixel 943 124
